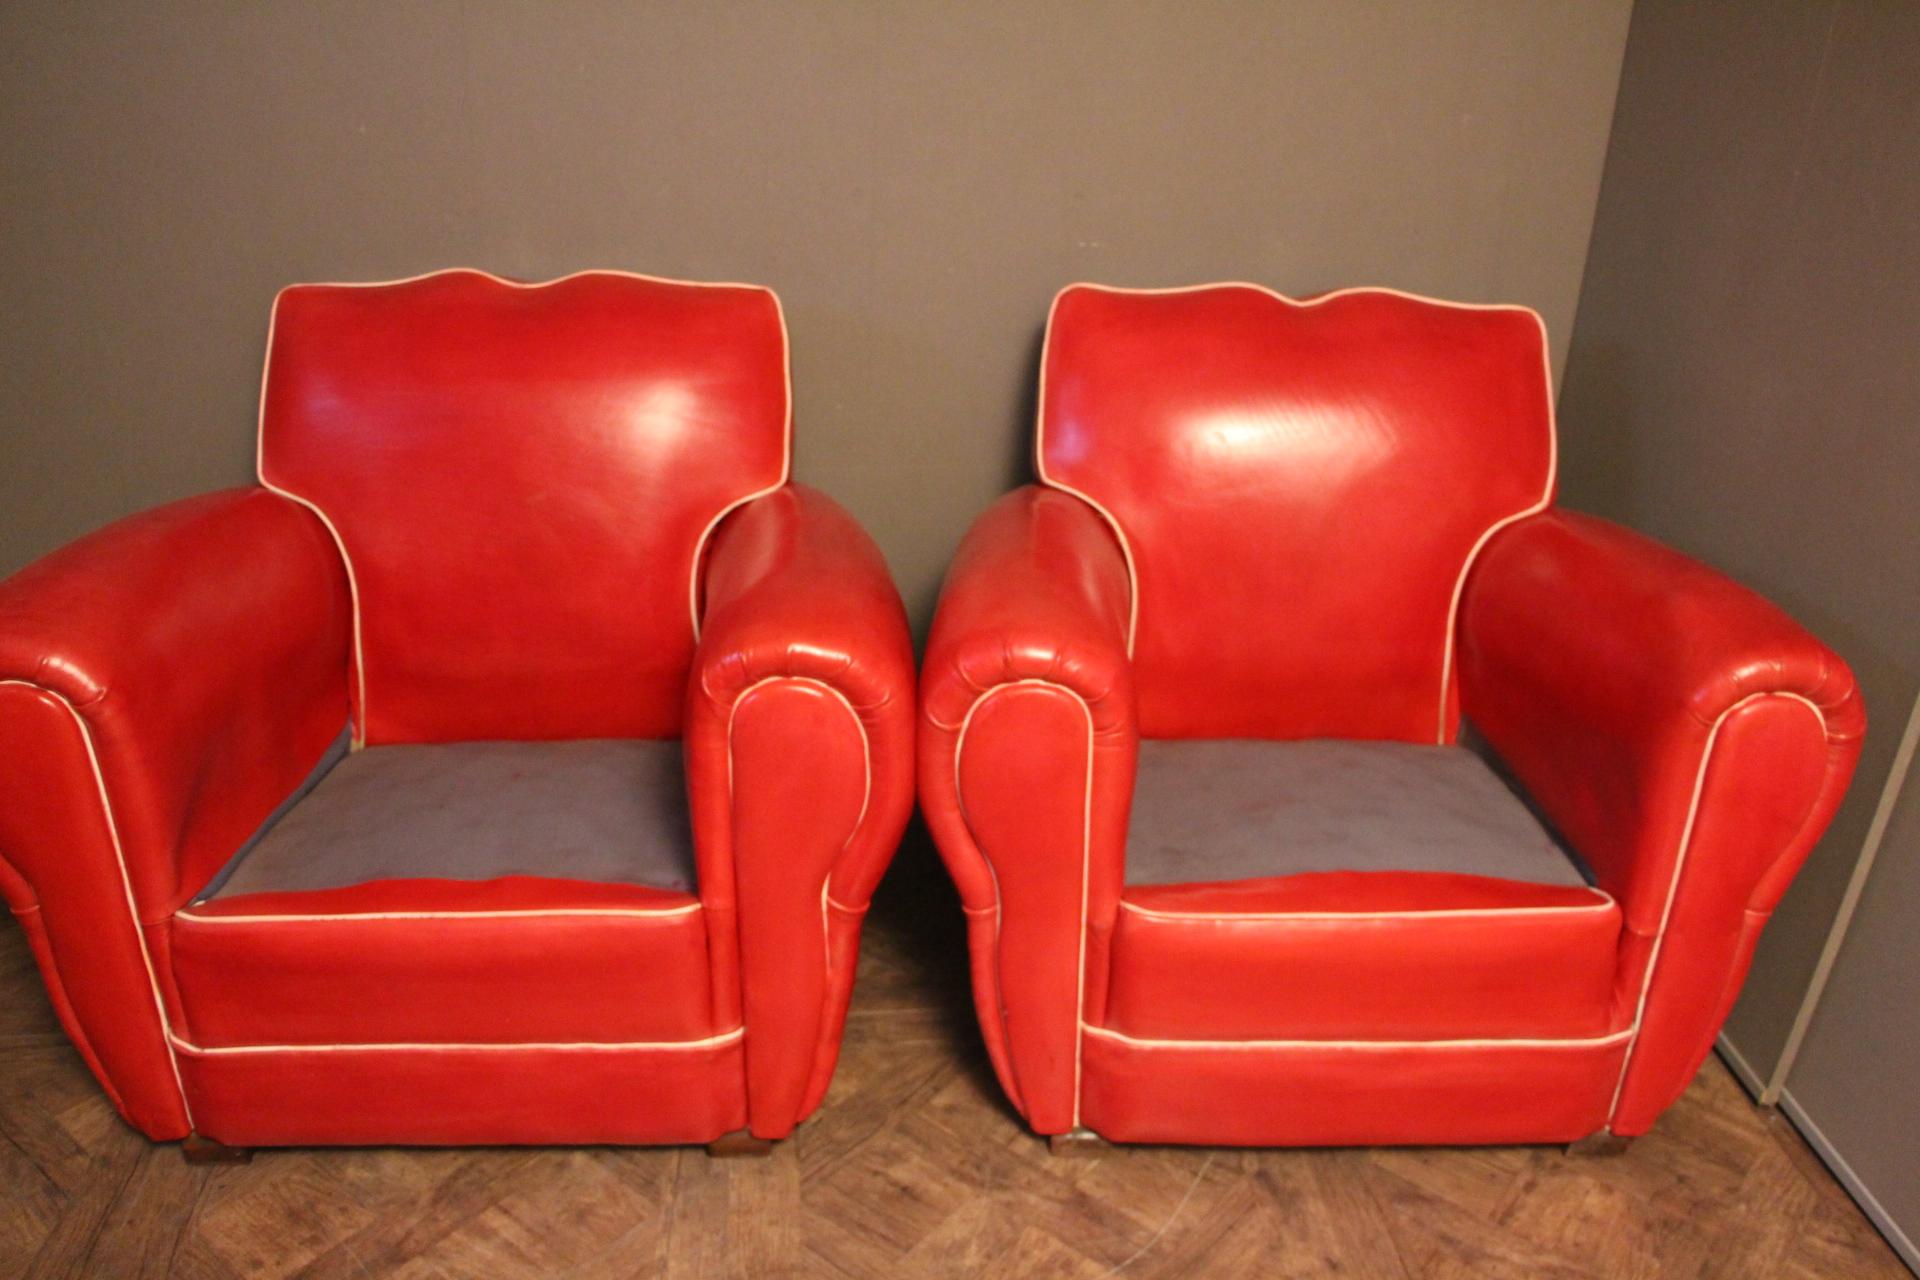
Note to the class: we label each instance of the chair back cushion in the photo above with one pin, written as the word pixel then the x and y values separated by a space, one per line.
pixel 1300 488
pixel 522 479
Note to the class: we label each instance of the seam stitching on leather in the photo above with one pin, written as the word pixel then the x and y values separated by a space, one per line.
pixel 786 460
pixel 1679 865
pixel 705 1042
pixel 1453 609
pixel 866 743
pixel 699 547
pixel 1517 1042
pixel 1086 842
pixel 56 985
pixel 1040 470
pixel 359 709
pixel 1606 901
pixel 1473 553
pixel 126 884
pixel 866 801
pixel 507 914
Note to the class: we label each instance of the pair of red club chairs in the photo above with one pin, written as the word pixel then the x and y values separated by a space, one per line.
pixel 515 762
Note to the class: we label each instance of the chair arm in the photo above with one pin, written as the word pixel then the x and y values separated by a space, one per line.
pixel 1028 738
pixel 164 684
pixel 1689 739
pixel 799 752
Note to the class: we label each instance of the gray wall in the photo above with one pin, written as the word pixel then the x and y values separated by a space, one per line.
pixel 1853 1082
pixel 1743 380
pixel 915 179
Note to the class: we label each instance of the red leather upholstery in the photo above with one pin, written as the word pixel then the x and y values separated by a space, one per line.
pixel 1331 519
pixel 804 656
pixel 1688 738
pixel 1218 425
pixel 1413 957
pixel 153 711
pixel 1311 1094
pixel 254 971
pixel 530 486
pixel 1027 753
pixel 501 464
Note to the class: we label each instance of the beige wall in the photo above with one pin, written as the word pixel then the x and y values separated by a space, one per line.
pixel 1743 380
pixel 915 179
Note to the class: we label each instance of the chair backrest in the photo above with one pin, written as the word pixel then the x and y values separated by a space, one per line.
pixel 522 479
pixel 1300 488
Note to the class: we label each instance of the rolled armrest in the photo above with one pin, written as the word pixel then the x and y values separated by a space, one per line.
pixel 1689 739
pixel 1028 740
pixel 164 684
pixel 799 749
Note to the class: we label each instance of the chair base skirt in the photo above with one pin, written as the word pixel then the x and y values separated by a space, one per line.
pixel 1291 1094
pixel 460 1096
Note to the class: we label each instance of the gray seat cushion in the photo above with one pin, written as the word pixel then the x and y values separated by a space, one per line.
pixel 1213 810
pixel 604 811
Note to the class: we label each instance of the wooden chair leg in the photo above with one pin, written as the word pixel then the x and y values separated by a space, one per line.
pixel 1078 1142
pixel 198 1150
pixel 741 1142
pixel 1601 1143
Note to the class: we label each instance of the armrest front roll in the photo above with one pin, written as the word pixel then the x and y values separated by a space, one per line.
pixel 1688 738
pixel 1028 740
pixel 164 684
pixel 799 750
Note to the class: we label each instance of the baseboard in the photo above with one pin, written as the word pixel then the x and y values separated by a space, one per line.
pixel 1842 1171
pixel 1742 1069
pixel 1869 1205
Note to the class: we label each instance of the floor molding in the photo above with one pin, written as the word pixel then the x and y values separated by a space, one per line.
pixel 1751 1081
pixel 1835 1162
pixel 1743 1071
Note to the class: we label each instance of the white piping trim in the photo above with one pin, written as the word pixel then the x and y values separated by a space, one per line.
pixel 866 744
pixel 866 795
pixel 609 1046
pixel 1459 584
pixel 1086 856
pixel 1473 553
pixel 1605 903
pixel 353 587
pixel 1575 1042
pixel 126 881
pixel 1545 500
pixel 1040 469
pixel 826 926
pixel 528 913
pixel 786 460
pixel 1679 865
pixel 359 737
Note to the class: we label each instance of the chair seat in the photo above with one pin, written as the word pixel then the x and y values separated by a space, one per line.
pixel 465 893
pixel 1350 891
pixel 1233 809
pixel 602 811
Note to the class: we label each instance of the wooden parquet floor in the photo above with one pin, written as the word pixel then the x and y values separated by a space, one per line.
pixel 914 1167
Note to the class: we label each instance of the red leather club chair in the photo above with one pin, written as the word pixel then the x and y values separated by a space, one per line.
pixel 1192 743
pixel 513 764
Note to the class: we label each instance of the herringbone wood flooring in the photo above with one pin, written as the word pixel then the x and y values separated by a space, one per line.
pixel 914 1167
